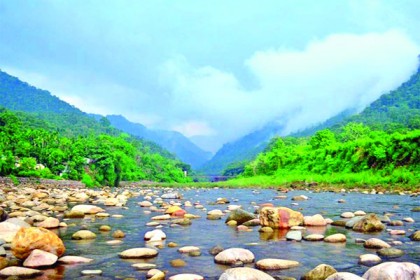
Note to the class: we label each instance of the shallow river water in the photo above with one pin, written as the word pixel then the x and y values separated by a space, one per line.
pixel 208 233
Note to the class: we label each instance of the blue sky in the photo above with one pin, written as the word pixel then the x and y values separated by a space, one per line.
pixel 213 70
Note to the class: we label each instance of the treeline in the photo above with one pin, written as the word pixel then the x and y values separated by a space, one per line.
pixel 355 153
pixel 96 159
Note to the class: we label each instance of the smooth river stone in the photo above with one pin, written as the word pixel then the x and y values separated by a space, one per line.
pixel 275 264
pixel 280 217
pixel 244 273
pixel 390 252
pixel 314 237
pixel 344 276
pixel 186 276
pixel 39 258
pixel 188 249
pixel 233 255
pixel 347 215
pixel 294 235
pixel 335 238
pixel 19 272
pixel 161 217
pixel 139 253
pixel 393 270
pixel 92 272
pixel 375 243
pixel 322 271
pixel 74 260
pixel 83 234
pixel 87 209
pixel 315 220
pixel 369 259
pixel 144 266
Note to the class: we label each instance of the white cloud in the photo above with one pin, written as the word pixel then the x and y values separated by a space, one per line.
pixel 307 86
pixel 194 128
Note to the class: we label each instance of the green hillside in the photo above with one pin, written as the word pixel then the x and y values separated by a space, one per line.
pixel 44 131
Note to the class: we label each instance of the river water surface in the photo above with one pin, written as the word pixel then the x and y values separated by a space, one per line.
pixel 208 233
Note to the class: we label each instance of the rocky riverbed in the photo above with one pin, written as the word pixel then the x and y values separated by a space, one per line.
pixel 145 233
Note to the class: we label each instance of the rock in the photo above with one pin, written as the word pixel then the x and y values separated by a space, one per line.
pixel 390 252
pixel 393 270
pixel 182 222
pixel 299 198
pixel 10 227
pixel 83 234
pixel 74 260
pixel 213 217
pixel 172 245
pixel 49 223
pixel 396 223
pixel 369 223
pixel 186 276
pixel 294 235
pixel 91 272
pixel 178 263
pixel 408 220
pixel 320 272
pixel 3 215
pixel 415 236
pixel 161 217
pixel 397 232
pixel 87 209
pixel 275 264
pixel 339 223
pixel 143 266
pixel 232 223
pixel 28 239
pixel 138 253
pixel 347 215
pixel 155 235
pixel 171 195
pixel 359 213
pixel 344 276
pixel 335 238
pixel 233 255
pixel 172 209
pixel 3 263
pixel 266 230
pixel 145 203
pixel 314 237
pixel 155 274
pixel 39 258
pixel 244 273
pixel 369 259
pixel 240 216
pixel 416 209
pixel 104 228
pixel 252 223
pixel 15 271
pixel 280 217
pixel 118 234
pixel 188 249
pixel 315 220
pixel 114 242
pixel 350 223
pixel 375 243
pixel 243 228
pixel 216 212
pixel 215 250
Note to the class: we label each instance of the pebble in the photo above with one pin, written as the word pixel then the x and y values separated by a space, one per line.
pixel 92 272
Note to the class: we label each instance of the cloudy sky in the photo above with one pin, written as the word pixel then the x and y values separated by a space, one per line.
pixel 212 70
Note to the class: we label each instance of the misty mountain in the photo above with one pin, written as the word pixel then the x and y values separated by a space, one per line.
pixel 173 141
pixel 242 150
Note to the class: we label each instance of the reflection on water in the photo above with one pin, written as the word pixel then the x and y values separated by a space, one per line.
pixel 208 233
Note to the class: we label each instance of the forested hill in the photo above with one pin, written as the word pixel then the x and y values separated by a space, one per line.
pixel 170 140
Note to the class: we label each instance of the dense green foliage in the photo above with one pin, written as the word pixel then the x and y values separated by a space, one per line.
pixel 353 151
pixel 96 159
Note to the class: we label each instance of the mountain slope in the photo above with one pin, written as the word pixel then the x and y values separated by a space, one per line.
pixel 242 150
pixel 172 141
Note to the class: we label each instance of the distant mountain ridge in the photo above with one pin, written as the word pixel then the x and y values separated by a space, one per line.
pixel 173 141
pixel 242 150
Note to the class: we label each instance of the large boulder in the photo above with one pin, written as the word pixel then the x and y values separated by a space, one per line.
pixel 369 223
pixel 240 216
pixel 280 217
pixel 320 272
pixel 234 255
pixel 244 273
pixel 28 239
pixel 393 270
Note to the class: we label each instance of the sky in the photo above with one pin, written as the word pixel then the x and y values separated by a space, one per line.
pixel 212 70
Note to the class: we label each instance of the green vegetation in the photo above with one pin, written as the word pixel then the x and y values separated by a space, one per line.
pixel 356 155
pixel 96 159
